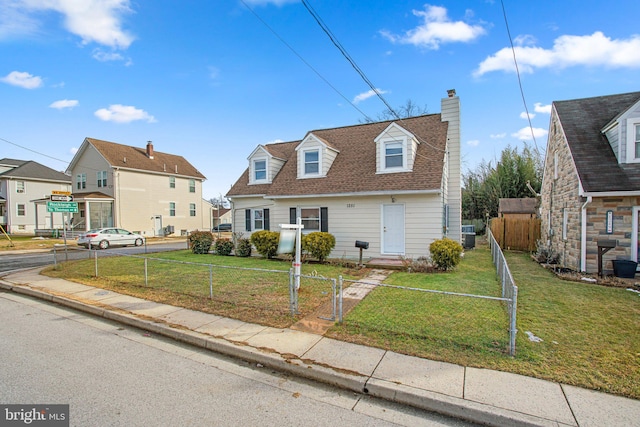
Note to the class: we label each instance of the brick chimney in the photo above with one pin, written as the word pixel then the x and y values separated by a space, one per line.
pixel 150 150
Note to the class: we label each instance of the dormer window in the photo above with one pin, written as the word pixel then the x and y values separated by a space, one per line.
pixel 633 140
pixel 312 162
pixel 394 155
pixel 637 140
pixel 260 170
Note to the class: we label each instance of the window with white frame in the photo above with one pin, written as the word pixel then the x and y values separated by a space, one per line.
pixel 21 209
pixel 312 162
pixel 20 187
pixel 192 186
pixel 102 178
pixel 192 209
pixel 258 219
pixel 637 140
pixel 259 170
pixel 81 181
pixel 393 155
pixel 172 209
pixel 172 182
pixel 310 219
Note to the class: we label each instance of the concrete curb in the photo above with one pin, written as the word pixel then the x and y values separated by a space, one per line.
pixel 358 383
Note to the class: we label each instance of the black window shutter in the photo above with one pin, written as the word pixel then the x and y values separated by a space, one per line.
pixel 247 219
pixel 324 219
pixel 266 219
pixel 293 215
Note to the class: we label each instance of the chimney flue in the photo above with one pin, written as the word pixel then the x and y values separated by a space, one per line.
pixel 150 150
pixel 451 93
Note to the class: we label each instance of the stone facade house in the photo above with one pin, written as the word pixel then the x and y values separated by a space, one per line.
pixel 139 189
pixel 395 184
pixel 591 185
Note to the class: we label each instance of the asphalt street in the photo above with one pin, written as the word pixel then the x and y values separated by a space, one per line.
pixel 120 376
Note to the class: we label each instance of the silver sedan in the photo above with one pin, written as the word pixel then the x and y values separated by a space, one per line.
pixel 105 237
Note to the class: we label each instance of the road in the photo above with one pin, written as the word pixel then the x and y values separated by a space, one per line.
pixel 29 259
pixel 120 376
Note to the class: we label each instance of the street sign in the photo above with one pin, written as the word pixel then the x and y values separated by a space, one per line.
pixel 62 207
pixel 61 193
pixel 61 198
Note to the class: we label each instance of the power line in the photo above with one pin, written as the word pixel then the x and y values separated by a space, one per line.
pixel 302 59
pixel 513 50
pixel 33 151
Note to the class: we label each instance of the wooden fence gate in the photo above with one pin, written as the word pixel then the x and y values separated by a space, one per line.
pixel 516 234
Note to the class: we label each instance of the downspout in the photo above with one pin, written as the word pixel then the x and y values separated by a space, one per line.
pixel 583 234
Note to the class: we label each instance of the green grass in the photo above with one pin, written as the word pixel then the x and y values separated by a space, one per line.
pixel 591 333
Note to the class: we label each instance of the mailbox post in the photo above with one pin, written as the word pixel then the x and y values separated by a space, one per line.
pixel 604 246
pixel 362 245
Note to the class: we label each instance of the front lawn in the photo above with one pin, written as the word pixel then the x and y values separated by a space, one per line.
pixel 590 333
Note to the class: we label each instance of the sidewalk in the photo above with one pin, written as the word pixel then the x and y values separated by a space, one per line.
pixel 480 395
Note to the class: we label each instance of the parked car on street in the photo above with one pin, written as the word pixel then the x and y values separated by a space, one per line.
pixel 222 227
pixel 104 237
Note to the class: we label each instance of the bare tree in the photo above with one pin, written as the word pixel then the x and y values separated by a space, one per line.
pixel 408 109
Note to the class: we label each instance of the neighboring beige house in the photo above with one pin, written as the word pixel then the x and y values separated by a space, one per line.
pixel 394 184
pixel 591 185
pixel 224 216
pixel 138 189
pixel 25 186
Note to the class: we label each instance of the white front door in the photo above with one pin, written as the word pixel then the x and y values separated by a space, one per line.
pixel 157 226
pixel 393 229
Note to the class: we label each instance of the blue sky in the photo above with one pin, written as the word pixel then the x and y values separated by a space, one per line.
pixel 212 79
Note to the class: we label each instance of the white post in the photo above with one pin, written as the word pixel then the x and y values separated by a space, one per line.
pixel 297 264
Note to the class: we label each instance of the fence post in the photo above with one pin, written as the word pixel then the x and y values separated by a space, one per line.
pixel 512 330
pixel 340 281
pixel 293 303
pixel 146 275
pixel 55 261
pixel 333 298
pixel 95 257
pixel 210 281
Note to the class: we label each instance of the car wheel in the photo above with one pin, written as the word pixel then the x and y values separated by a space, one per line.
pixel 138 242
pixel 104 244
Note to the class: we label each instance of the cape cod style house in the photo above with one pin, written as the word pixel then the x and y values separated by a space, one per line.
pixel 591 184
pixel 394 184
pixel 138 189
pixel 25 187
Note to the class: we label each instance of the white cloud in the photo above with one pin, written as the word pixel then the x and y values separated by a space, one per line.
pixel 103 56
pixel 523 115
pixel 437 29
pixel 473 143
pixel 123 114
pixel 64 103
pixel 544 109
pixel 524 134
pixel 96 21
pixel 366 95
pixel 568 51
pixel 73 150
pixel 498 135
pixel 22 79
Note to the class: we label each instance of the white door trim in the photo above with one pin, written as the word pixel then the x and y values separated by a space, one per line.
pixel 385 243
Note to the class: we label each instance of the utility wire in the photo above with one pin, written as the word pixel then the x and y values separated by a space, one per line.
pixel 33 151
pixel 513 50
pixel 303 60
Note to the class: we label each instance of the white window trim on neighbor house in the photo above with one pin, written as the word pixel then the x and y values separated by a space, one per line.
pixel 172 182
pixel 101 178
pixel 21 209
pixel 254 171
pixel 192 209
pixel 192 186
pixel 318 162
pixel 81 181
pixel 21 187
pixel 633 126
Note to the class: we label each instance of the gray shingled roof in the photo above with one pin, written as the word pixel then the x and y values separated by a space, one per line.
pixel 354 168
pixel 126 156
pixel 527 205
pixel 582 121
pixel 30 170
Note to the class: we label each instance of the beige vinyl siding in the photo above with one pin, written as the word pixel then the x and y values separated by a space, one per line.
pixel 140 196
pixel 356 218
pixel 90 163
pixel 273 167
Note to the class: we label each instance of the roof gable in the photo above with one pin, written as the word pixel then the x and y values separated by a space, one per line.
pixel 354 168
pixel 583 121
pixel 134 158
pixel 30 170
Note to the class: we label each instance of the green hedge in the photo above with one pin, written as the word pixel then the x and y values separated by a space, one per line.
pixel 318 244
pixel 266 242
pixel 445 253
pixel 200 241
